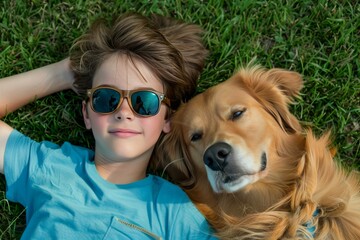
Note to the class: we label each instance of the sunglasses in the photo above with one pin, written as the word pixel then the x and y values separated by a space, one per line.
pixel 143 102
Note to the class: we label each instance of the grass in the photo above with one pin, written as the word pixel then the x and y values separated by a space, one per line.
pixel 320 39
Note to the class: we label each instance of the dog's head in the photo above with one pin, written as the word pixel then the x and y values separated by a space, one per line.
pixel 226 135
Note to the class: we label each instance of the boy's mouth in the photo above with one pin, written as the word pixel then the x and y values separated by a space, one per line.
pixel 120 132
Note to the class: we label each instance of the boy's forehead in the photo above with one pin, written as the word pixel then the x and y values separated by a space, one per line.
pixel 126 72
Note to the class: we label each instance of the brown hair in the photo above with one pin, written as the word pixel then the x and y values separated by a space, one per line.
pixel 171 48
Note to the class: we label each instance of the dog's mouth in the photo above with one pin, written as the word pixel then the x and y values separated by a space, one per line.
pixel 233 177
pixel 236 181
pixel 229 179
pixel 263 162
pixel 230 170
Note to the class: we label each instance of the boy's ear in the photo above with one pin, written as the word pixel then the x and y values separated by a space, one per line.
pixel 86 115
pixel 167 126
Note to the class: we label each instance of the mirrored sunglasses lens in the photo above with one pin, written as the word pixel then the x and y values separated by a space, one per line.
pixel 105 100
pixel 145 103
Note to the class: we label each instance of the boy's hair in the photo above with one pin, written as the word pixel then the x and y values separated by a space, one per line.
pixel 172 49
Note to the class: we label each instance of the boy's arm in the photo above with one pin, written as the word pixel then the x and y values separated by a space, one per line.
pixel 21 89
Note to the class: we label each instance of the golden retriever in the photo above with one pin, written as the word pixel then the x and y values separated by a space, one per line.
pixel 251 168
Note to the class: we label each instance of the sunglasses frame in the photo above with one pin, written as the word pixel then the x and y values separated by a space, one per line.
pixel 127 94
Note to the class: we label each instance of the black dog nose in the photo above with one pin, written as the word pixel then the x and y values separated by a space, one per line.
pixel 215 157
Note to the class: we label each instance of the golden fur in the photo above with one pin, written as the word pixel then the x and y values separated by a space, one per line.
pixel 265 175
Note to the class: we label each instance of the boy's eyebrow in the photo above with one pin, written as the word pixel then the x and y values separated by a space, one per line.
pixel 106 85
pixel 113 86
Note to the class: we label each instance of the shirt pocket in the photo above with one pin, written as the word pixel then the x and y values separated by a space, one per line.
pixel 121 229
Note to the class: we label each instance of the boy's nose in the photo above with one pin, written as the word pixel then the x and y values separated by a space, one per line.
pixel 124 111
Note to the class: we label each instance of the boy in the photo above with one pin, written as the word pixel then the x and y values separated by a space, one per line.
pixel 75 193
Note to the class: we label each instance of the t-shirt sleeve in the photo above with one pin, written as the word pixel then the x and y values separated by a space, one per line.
pixel 22 158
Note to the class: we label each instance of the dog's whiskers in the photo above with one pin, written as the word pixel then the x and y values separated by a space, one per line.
pixel 167 165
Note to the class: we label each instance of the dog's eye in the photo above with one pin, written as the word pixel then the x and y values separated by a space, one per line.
pixel 196 136
pixel 237 114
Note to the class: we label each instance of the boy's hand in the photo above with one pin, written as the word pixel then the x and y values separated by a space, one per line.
pixel 68 74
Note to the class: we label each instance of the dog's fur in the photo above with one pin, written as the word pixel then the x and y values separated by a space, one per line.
pixel 251 168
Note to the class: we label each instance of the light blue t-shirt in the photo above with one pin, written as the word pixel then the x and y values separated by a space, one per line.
pixel 65 198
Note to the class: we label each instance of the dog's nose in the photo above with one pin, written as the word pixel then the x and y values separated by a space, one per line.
pixel 215 156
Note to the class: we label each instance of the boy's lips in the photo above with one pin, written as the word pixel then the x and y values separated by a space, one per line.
pixel 121 132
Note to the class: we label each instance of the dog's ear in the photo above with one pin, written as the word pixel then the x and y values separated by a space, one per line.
pixel 172 157
pixel 290 83
pixel 275 89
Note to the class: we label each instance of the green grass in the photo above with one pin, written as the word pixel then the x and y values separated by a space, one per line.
pixel 320 39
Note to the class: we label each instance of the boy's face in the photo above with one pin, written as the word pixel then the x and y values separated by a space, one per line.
pixel 123 136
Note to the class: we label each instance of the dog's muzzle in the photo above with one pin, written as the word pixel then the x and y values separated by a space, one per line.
pixel 220 156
